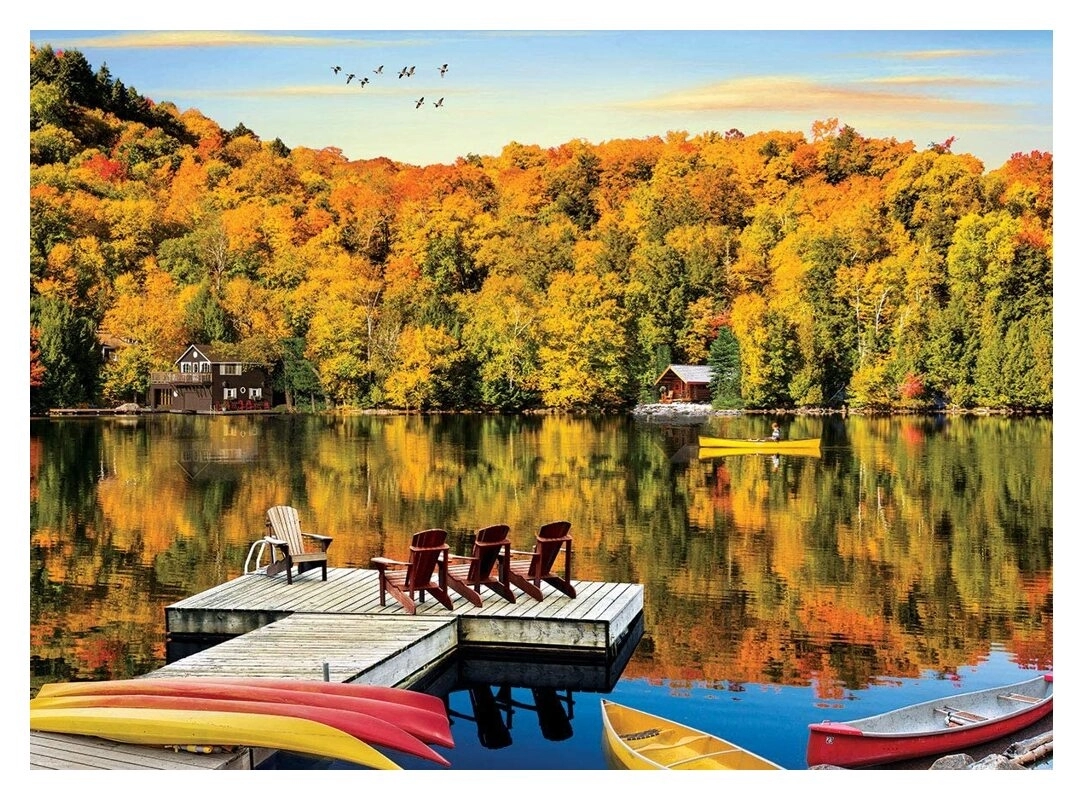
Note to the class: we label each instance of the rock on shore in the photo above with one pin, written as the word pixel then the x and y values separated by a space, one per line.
pixel 668 412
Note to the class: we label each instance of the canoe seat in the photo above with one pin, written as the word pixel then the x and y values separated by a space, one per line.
pixel 637 735
pixel 954 717
pixel 1020 698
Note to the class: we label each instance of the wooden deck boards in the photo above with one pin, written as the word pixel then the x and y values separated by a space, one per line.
pixel 589 622
pixel 293 631
pixel 299 646
pixel 63 751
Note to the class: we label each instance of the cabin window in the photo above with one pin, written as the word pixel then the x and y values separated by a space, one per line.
pixel 204 366
pixel 255 392
pixel 231 369
pixel 229 394
pixel 186 366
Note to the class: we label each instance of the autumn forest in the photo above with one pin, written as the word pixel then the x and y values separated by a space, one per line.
pixel 810 270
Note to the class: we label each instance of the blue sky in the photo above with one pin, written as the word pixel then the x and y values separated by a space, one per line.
pixel 992 90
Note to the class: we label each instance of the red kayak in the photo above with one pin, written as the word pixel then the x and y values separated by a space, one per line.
pixel 388 693
pixel 428 726
pixel 369 729
pixel 936 727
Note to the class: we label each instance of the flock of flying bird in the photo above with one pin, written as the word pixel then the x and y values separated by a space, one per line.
pixel 405 72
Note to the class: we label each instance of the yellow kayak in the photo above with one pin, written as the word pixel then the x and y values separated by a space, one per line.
pixel 761 445
pixel 170 727
pixel 634 739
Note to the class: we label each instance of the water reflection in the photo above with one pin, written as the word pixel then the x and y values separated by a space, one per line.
pixel 912 547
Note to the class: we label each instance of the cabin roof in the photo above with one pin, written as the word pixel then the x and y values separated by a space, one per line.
pixel 210 354
pixel 688 373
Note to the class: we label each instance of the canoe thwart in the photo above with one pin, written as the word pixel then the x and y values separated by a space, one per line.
pixel 1020 698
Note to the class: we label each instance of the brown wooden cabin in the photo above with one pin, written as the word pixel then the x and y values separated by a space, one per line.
pixel 203 380
pixel 684 383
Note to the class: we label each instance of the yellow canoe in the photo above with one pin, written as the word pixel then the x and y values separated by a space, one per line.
pixel 725 452
pixel 760 445
pixel 634 739
pixel 170 727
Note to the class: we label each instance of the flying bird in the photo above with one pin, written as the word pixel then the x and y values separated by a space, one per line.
pixel 379 70
pixel 443 69
pixel 364 81
pixel 336 69
pixel 350 77
pixel 410 73
pixel 419 102
pixel 403 71
pixel 439 103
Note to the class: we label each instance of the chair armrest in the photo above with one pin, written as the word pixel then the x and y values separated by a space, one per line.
pixel 453 557
pixel 275 542
pixel 380 561
pixel 323 542
pixel 521 552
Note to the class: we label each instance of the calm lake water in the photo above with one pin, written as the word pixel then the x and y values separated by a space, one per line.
pixel 913 559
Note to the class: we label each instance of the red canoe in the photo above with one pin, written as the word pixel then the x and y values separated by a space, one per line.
pixel 949 725
pixel 368 729
pixel 428 726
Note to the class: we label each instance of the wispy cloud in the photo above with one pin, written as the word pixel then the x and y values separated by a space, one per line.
pixel 784 93
pixel 170 39
pixel 938 81
pixel 933 55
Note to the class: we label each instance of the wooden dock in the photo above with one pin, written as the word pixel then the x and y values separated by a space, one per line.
pixel 255 626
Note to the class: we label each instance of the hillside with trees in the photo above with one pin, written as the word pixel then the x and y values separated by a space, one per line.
pixel 812 270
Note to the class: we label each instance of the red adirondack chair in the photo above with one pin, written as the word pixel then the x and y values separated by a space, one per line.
pixel 426 571
pixel 491 551
pixel 528 573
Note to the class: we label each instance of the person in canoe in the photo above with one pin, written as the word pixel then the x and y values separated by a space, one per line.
pixel 776 432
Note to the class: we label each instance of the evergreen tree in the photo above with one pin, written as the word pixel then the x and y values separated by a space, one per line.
pixel 724 359
pixel 69 354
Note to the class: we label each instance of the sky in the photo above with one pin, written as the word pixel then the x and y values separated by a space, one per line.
pixel 992 90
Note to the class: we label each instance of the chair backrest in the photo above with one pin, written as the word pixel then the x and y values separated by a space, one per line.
pixel 426 550
pixel 551 538
pixel 488 544
pixel 283 523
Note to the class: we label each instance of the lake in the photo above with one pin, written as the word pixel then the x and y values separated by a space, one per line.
pixel 912 559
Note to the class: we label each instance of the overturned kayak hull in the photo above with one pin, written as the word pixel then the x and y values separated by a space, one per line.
pixel 935 727
pixel 428 726
pixel 634 739
pixel 176 727
pixel 406 697
pixel 369 729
